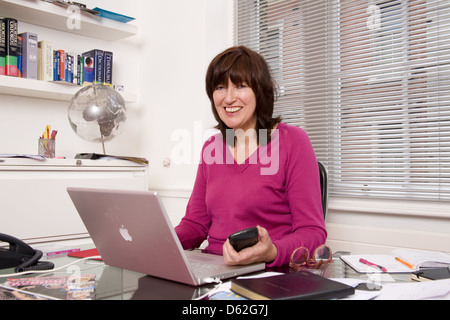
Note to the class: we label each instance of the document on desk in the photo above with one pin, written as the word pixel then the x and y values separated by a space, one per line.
pixel 436 290
pixel 399 261
pixel 388 262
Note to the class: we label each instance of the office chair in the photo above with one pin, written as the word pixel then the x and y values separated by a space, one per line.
pixel 323 187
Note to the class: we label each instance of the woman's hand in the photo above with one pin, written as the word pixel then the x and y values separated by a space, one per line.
pixel 263 251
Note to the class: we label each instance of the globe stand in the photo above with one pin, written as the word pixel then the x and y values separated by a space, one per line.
pixel 103 144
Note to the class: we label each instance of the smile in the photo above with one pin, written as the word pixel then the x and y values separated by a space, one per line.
pixel 232 109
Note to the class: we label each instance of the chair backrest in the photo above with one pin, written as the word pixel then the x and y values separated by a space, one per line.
pixel 323 187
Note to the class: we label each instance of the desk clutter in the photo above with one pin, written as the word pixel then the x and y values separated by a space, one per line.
pixel 427 274
pixel 419 275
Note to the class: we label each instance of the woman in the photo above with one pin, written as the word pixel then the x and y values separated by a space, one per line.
pixel 257 171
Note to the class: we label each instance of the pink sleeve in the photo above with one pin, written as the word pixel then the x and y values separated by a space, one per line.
pixel 193 228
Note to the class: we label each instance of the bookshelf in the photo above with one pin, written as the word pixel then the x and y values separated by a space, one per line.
pixel 55 17
pixel 45 90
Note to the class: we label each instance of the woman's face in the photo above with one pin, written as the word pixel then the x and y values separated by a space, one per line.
pixel 236 105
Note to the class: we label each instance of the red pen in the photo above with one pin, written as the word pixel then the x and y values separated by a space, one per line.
pixel 372 264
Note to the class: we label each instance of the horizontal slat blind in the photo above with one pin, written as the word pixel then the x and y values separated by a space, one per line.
pixel 369 80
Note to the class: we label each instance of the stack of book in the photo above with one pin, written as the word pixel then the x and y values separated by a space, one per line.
pixel 23 55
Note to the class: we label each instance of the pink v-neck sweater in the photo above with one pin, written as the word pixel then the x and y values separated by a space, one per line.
pixel 278 188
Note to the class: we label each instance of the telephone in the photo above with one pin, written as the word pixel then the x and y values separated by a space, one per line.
pixel 21 256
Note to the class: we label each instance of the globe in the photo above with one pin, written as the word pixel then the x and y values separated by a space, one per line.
pixel 97 113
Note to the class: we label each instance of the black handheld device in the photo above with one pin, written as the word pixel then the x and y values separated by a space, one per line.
pixel 244 238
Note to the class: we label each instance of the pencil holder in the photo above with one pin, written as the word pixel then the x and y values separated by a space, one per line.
pixel 46 148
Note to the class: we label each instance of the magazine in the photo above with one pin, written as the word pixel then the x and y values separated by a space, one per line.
pixel 59 287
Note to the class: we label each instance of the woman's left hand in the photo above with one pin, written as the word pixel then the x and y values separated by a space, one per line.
pixel 263 251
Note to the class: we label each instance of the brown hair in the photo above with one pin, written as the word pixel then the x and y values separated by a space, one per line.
pixel 241 64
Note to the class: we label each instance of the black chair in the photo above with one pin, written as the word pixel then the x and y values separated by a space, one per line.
pixel 323 187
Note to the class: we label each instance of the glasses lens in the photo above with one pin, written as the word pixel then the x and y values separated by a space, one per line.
pixel 300 256
pixel 322 253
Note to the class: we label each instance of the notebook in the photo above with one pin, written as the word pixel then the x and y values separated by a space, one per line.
pixel 132 230
pixel 291 286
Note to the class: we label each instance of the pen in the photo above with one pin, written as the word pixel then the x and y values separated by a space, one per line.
pixel 372 264
pixel 405 263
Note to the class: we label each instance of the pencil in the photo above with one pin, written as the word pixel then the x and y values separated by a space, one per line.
pixel 405 263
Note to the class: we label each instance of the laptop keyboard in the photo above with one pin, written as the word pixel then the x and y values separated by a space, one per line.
pixel 201 267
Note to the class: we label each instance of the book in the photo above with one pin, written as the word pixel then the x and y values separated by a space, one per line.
pixel 56 68
pixel 61 65
pixel 113 15
pixel 29 55
pixel 431 274
pixel 45 60
pixel 19 56
pixel 2 46
pixel 423 258
pixel 93 67
pixel 80 69
pixel 11 28
pixel 107 68
pixel 69 67
pixel 399 261
pixel 291 286
pixel 72 68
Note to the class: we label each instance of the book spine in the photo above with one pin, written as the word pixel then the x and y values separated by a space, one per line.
pixel 80 69
pixel 93 66
pixel 19 56
pixel 72 68
pixel 45 60
pixel 2 46
pixel 88 77
pixel 62 65
pixel 108 68
pixel 29 55
pixel 56 67
pixel 99 67
pixel 66 67
pixel 11 47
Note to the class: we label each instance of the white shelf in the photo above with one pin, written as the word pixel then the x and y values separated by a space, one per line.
pixel 55 17
pixel 45 90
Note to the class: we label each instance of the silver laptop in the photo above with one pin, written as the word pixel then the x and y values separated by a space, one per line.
pixel 131 230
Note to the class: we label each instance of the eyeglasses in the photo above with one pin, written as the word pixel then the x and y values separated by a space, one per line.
pixel 300 258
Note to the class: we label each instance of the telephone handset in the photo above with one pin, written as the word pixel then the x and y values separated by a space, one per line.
pixel 21 256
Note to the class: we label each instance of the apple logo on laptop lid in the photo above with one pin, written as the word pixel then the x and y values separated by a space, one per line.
pixel 125 234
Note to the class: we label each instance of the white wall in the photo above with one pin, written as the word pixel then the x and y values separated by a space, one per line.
pixel 179 40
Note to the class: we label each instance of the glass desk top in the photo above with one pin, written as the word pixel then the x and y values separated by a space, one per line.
pixel 113 283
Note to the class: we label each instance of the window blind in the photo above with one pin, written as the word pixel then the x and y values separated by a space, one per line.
pixel 369 81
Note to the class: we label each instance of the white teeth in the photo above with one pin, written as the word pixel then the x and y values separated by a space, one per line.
pixel 232 109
